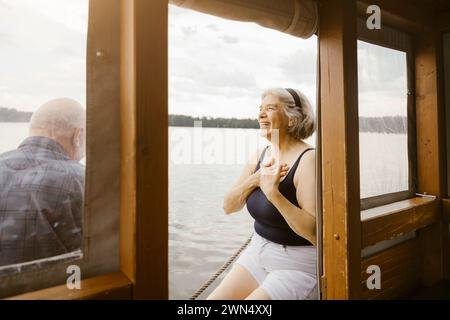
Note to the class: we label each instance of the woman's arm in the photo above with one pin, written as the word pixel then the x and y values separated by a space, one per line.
pixel 302 221
pixel 234 199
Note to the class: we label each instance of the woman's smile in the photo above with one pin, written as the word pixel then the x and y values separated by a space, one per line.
pixel 264 124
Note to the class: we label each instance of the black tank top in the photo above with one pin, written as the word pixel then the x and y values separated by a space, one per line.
pixel 269 223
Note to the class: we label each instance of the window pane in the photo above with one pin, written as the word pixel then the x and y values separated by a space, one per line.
pixel 382 84
pixel 42 129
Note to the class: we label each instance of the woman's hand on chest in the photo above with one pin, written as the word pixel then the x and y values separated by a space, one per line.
pixel 270 176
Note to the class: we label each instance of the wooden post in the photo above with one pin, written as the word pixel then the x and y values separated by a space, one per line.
pixel 340 149
pixel 446 76
pixel 144 141
pixel 430 162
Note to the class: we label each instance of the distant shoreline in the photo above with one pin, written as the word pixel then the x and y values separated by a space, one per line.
pixel 177 120
pixel 397 124
pixel 12 115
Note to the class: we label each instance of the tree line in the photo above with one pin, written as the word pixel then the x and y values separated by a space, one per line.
pixel 396 124
pixel 176 120
pixel 13 115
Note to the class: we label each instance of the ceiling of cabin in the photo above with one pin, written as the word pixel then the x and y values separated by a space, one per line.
pixel 433 5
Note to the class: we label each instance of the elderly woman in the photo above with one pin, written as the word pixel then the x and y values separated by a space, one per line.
pixel 278 186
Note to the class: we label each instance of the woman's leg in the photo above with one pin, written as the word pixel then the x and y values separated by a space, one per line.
pixel 258 294
pixel 236 285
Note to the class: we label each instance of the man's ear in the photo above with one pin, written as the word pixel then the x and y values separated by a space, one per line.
pixel 77 136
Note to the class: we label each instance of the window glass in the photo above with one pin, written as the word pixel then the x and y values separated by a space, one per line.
pixel 383 119
pixel 42 129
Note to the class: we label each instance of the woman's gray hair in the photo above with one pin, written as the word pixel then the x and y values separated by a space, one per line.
pixel 302 116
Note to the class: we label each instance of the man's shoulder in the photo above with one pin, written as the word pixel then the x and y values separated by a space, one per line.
pixel 66 168
pixel 63 175
pixel 74 166
pixel 11 154
pixel 14 160
pixel 45 172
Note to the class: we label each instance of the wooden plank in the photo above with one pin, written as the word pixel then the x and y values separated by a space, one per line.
pixel 410 18
pixel 430 140
pixel 111 286
pixel 446 209
pixel 386 36
pixel 443 21
pixel 340 148
pixel 393 220
pixel 396 207
pixel 152 126
pixel 401 270
pixel 144 105
pixel 429 115
pixel 433 5
pixel 432 250
pixel 128 153
pixel 445 67
pixel 446 254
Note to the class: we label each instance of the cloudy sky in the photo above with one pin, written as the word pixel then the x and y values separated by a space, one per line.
pixel 220 67
pixel 42 51
pixel 217 67
pixel 382 81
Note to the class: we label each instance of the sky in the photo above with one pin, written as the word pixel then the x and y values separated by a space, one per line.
pixel 382 82
pixel 220 67
pixel 42 51
pixel 217 67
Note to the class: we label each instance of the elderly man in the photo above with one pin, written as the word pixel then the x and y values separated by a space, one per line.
pixel 42 186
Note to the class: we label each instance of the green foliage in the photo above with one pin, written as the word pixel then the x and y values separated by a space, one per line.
pixel 208 122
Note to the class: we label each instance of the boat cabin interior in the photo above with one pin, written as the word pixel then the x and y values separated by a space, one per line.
pixel 401 235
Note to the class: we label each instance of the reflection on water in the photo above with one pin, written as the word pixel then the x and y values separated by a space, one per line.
pixel 201 237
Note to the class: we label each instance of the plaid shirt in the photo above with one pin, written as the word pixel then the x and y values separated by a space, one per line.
pixel 41 202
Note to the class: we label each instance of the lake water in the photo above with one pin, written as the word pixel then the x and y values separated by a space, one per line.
pixel 203 165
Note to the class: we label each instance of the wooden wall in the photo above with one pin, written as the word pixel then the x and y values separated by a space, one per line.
pixel 347 230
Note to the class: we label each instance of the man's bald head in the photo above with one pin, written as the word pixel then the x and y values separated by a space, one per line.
pixel 63 120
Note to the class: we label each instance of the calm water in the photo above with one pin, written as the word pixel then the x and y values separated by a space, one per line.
pixel 203 165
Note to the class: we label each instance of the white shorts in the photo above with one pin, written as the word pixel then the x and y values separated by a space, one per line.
pixel 284 272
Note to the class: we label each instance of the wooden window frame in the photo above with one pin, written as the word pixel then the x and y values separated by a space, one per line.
pixel 388 37
pixel 443 23
pixel 141 27
pixel 97 221
pixel 343 229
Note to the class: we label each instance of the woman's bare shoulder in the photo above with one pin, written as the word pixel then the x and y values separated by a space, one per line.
pixel 307 167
